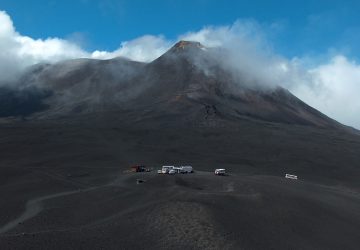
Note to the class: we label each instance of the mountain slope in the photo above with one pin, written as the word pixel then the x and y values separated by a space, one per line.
pixel 187 82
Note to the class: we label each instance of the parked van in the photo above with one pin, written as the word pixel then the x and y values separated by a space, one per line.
pixel 166 169
pixel 220 171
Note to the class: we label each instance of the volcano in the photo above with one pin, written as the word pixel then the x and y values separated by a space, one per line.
pixel 70 131
pixel 187 82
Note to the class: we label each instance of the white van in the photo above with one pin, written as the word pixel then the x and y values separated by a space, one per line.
pixel 220 171
pixel 166 169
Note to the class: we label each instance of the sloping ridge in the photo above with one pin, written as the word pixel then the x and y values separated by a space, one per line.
pixel 178 83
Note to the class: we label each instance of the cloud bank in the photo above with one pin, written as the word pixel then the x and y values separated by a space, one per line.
pixel 330 87
pixel 18 52
pixel 334 90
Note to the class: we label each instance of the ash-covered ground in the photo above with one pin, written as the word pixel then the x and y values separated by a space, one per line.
pixel 66 187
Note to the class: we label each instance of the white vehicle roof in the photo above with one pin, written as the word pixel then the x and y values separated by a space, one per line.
pixel 220 169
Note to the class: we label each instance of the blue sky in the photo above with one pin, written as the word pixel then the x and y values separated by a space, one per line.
pixel 302 27
pixel 308 47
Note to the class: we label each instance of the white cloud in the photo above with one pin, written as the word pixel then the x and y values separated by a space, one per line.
pixel 331 87
pixel 18 52
pixel 144 49
pixel 335 90
pixel 6 27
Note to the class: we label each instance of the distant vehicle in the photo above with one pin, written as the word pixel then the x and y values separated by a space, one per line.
pixel 159 171
pixel 186 169
pixel 290 176
pixel 139 168
pixel 166 169
pixel 176 170
pixel 220 171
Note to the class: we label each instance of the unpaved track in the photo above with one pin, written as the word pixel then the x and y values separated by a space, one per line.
pixel 34 207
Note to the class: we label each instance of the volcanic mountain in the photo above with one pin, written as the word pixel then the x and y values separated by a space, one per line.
pixel 69 132
pixel 186 83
